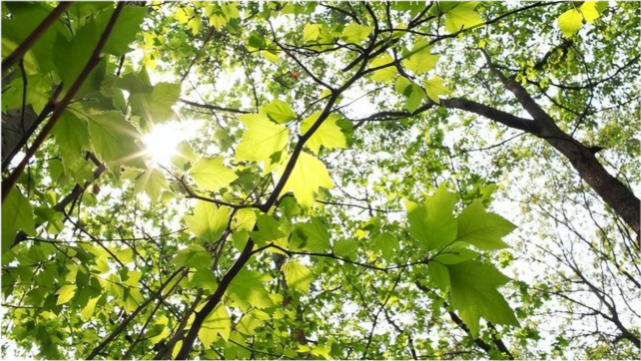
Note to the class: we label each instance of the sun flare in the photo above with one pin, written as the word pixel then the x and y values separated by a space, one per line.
pixel 161 144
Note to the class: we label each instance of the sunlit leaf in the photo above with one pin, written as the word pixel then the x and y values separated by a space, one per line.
pixel 297 276
pixel 435 88
pixel 217 323
pixel 194 256
pixel 247 288
pixel 211 174
pixel 462 17
pixel 262 134
pixel 209 221
pixel 328 135
pixel 115 139
pixel 279 111
pixel 152 182
pixel 308 175
pixel 65 293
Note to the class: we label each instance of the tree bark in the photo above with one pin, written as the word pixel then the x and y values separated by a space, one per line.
pixel 613 192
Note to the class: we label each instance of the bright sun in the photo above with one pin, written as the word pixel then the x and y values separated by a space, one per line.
pixel 161 143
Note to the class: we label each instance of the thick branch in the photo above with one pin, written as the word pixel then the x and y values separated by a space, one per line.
pixel 494 114
pixel 35 35
pixel 95 58
pixel 615 194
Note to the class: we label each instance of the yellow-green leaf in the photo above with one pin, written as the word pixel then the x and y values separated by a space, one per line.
pixel 211 174
pixel 434 88
pixel 114 139
pixel 462 16
pixel 279 111
pixel 247 288
pixel 308 175
pixel 89 309
pixel 208 221
pixel 311 32
pixel 355 33
pixel 244 219
pixel 262 139
pixel 194 256
pixel 420 59
pixel 385 74
pixel 570 22
pixel 217 323
pixel 328 135
pixel 297 276
pixel 65 294
pixel 433 223
pixel 151 182
pixel 482 229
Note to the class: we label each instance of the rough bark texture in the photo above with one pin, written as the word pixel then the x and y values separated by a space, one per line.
pixel 14 130
pixel 613 192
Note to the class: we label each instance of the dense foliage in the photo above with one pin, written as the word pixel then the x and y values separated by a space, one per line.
pixel 340 180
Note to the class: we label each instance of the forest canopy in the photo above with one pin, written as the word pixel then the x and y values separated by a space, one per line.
pixel 320 180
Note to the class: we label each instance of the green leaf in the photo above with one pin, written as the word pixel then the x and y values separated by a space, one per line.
pixel 570 22
pixel 65 294
pixel 82 9
pixel 454 254
pixel 481 229
pixel 268 230
pixel 308 176
pixel 209 221
pixel 72 137
pixel 600 6
pixel 385 74
pixel 17 214
pixel 25 17
pixel 462 16
pixel 415 98
pixel 194 256
pixel 250 321
pixel 88 310
pixel 311 32
pixel 439 274
pixel 434 88
pixel 590 11
pixel 345 247
pixel 248 290
pixel 312 236
pixel 76 53
pixel 151 182
pixel 279 111
pixel 244 218
pixel 155 107
pixel 217 323
pixel 474 293
pixel 420 59
pixel 114 140
pixel 433 223
pixel 387 244
pixel 211 174
pixel 204 278
pixel 261 134
pixel 125 30
pixel 297 276
pixel 329 134
pixel 356 33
